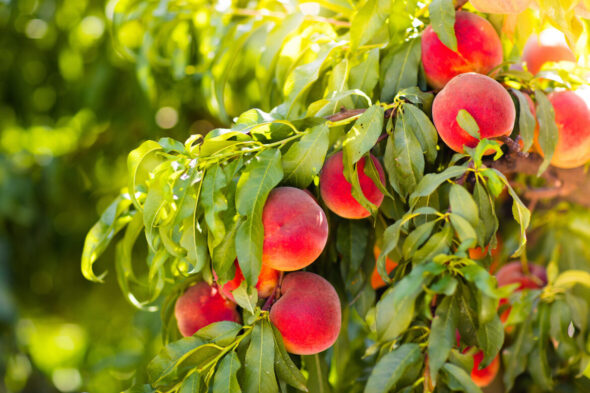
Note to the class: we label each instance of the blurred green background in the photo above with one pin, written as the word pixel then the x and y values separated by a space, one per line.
pixel 71 108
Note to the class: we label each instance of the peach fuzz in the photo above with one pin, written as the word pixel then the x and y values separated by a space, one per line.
pixel 267 281
pixel 572 116
pixel 336 191
pixel 486 101
pixel 500 6
pixel 295 229
pixel 201 305
pixel 549 46
pixel 485 376
pixel 307 314
pixel 376 280
pixel 478 50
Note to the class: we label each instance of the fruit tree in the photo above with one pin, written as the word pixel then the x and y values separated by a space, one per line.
pixel 395 198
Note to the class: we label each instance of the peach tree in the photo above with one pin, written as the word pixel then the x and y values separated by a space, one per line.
pixel 359 220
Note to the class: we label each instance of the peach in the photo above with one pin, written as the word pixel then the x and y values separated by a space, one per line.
pixel 267 281
pixel 376 280
pixel 512 273
pixel 307 314
pixel 295 229
pixel 478 253
pixel 478 50
pixel 201 305
pixel 500 6
pixel 336 191
pixel 485 376
pixel 549 46
pixel 486 101
pixel 572 116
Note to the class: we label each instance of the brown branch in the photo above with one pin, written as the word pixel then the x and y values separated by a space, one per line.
pixel 572 185
pixel 460 3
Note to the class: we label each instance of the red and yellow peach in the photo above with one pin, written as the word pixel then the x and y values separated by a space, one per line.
pixel 201 305
pixel 267 281
pixel 295 229
pixel 336 191
pixel 478 50
pixel 308 314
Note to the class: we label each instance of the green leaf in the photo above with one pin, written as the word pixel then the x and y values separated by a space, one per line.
pixel 569 278
pixel 285 368
pixel 468 123
pixel 226 380
pixel 365 75
pixel 526 121
pixel 135 161
pixel 390 239
pixel 304 159
pixel 367 22
pixel 423 129
pixel 404 159
pixel 515 356
pixel 258 179
pixel 246 296
pixel 459 379
pixel 395 310
pixel 112 220
pixel 392 367
pixel 521 214
pixel 439 243
pixel 400 69
pixel 416 238
pixel 317 381
pixel 192 384
pixel 487 214
pixel 214 202
pixel 432 181
pixel 363 135
pixel 259 365
pixel 220 332
pixel 490 338
pixel 548 132
pixel 462 203
pixel 442 19
pixel 465 231
pixel 442 335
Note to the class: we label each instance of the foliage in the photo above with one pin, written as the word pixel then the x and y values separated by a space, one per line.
pixel 199 203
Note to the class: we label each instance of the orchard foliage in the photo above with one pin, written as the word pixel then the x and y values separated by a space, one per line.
pixel 335 77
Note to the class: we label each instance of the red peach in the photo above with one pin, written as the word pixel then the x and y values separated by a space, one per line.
pixel 336 191
pixel 478 50
pixel 267 281
pixel 572 116
pixel 550 46
pixel 200 306
pixel 512 273
pixel 486 101
pixel 307 314
pixel 376 280
pixel 295 229
pixel 485 376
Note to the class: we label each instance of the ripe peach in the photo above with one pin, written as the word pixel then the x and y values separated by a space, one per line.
pixel 485 100
pixel 572 116
pixel 295 229
pixel 478 253
pixel 549 46
pixel 500 6
pixel 336 191
pixel 512 273
pixel 200 306
pixel 307 314
pixel 478 50
pixel 376 280
pixel 485 376
pixel 267 281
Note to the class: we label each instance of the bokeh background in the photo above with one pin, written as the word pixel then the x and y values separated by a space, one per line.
pixel 71 107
